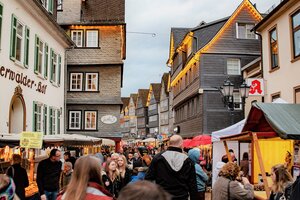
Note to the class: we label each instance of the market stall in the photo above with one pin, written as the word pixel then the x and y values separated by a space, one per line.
pixel 271 129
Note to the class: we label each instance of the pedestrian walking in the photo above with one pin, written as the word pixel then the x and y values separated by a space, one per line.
pixel 282 183
pixel 48 174
pixel 19 175
pixel 201 176
pixel 111 178
pixel 227 187
pixel 144 190
pixel 86 183
pixel 65 175
pixel 174 171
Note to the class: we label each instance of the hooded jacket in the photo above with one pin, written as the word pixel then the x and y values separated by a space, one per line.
pixel 201 176
pixel 175 173
pixel 216 171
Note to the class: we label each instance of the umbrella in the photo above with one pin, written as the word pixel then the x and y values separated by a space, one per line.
pixel 200 140
pixel 186 143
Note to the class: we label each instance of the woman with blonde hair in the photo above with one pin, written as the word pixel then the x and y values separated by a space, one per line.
pixel 123 170
pixel 227 187
pixel 111 178
pixel 282 183
pixel 86 181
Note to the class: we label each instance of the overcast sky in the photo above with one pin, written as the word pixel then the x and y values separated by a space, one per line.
pixel 146 55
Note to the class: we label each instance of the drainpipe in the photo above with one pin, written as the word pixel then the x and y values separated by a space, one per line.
pixel 262 64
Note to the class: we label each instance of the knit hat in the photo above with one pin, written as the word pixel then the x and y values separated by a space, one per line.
pixel 7 188
pixel 143 150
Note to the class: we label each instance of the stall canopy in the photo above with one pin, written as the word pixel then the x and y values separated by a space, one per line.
pixel 231 130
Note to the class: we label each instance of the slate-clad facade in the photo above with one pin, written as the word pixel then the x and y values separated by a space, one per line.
pixel 153 104
pixel 141 112
pixel 95 66
pixel 204 57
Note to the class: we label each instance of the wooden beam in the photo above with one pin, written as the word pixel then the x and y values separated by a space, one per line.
pixel 261 164
pixel 227 151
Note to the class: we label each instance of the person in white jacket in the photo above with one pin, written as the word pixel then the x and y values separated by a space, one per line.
pixel 217 169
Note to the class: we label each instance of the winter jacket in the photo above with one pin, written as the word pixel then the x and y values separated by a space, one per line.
pixel 201 176
pixel 65 179
pixel 19 175
pixel 236 190
pixel 216 171
pixel 48 174
pixel 94 191
pixel 280 195
pixel 113 187
pixel 175 173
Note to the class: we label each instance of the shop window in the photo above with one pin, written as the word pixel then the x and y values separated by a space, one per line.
pixel 90 120
pixel 76 81
pixel 274 48
pixel 92 38
pixel 243 31
pixel 91 83
pixel 77 37
pixel 233 66
pixel 296 34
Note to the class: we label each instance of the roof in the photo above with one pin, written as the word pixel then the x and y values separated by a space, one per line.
pixel 250 64
pixel 134 97
pixel 275 117
pixel 164 81
pixel 178 35
pixel 125 101
pixel 272 13
pixel 156 87
pixel 143 95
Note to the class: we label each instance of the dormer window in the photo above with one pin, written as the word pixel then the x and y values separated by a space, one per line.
pixel 77 37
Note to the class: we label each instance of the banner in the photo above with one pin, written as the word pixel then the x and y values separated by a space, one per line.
pixel 31 140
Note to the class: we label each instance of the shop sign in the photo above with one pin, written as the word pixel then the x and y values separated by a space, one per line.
pixel 31 140
pixel 22 79
pixel 256 86
pixel 109 119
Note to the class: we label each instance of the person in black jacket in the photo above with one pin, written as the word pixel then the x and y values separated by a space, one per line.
pixel 48 173
pixel 19 175
pixel 174 171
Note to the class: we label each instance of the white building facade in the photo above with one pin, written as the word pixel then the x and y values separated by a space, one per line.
pixel 32 55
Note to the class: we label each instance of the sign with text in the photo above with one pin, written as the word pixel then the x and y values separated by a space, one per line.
pixel 31 140
pixel 256 86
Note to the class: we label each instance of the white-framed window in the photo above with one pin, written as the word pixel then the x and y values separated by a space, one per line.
pixel 1 14
pixel 90 119
pixel 76 81
pixel 243 31
pixel 37 117
pixel 75 120
pixel 55 68
pixel 92 38
pixel 59 5
pixel 48 5
pixel 152 107
pixel 237 101
pixel 52 121
pixel 296 33
pixel 153 118
pixel 19 41
pixel 233 66
pixel 91 82
pixel 77 37
pixel 41 57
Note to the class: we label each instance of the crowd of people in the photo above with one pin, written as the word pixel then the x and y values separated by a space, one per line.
pixel 137 173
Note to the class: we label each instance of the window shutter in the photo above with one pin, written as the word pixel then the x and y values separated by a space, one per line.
pixel 50 6
pixel 34 108
pixel 36 54
pixel 26 46
pixel 1 12
pixel 50 120
pixel 58 121
pixel 51 65
pixel 46 63
pixel 45 120
pixel 59 68
pixel 13 37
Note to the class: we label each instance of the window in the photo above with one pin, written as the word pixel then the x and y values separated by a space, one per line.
pixel 244 31
pixel 274 48
pixel 92 38
pixel 52 121
pixel 153 118
pixel 91 82
pixel 59 5
pixel 152 107
pixel 48 5
pixel 76 82
pixel 17 40
pixel 297 95
pixel 39 55
pixel 1 13
pixel 75 120
pixel 296 33
pixel 55 68
pixel 90 120
pixel 233 66
pixel 77 38
pixel 237 101
pixel 37 117
pixel 275 96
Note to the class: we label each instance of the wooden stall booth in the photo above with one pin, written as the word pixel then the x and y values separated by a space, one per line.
pixel 271 130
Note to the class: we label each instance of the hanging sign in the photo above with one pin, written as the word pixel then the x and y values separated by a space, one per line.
pixel 256 86
pixel 31 140
pixel 109 119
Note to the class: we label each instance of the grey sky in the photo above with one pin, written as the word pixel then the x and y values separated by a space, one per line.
pixel 146 55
